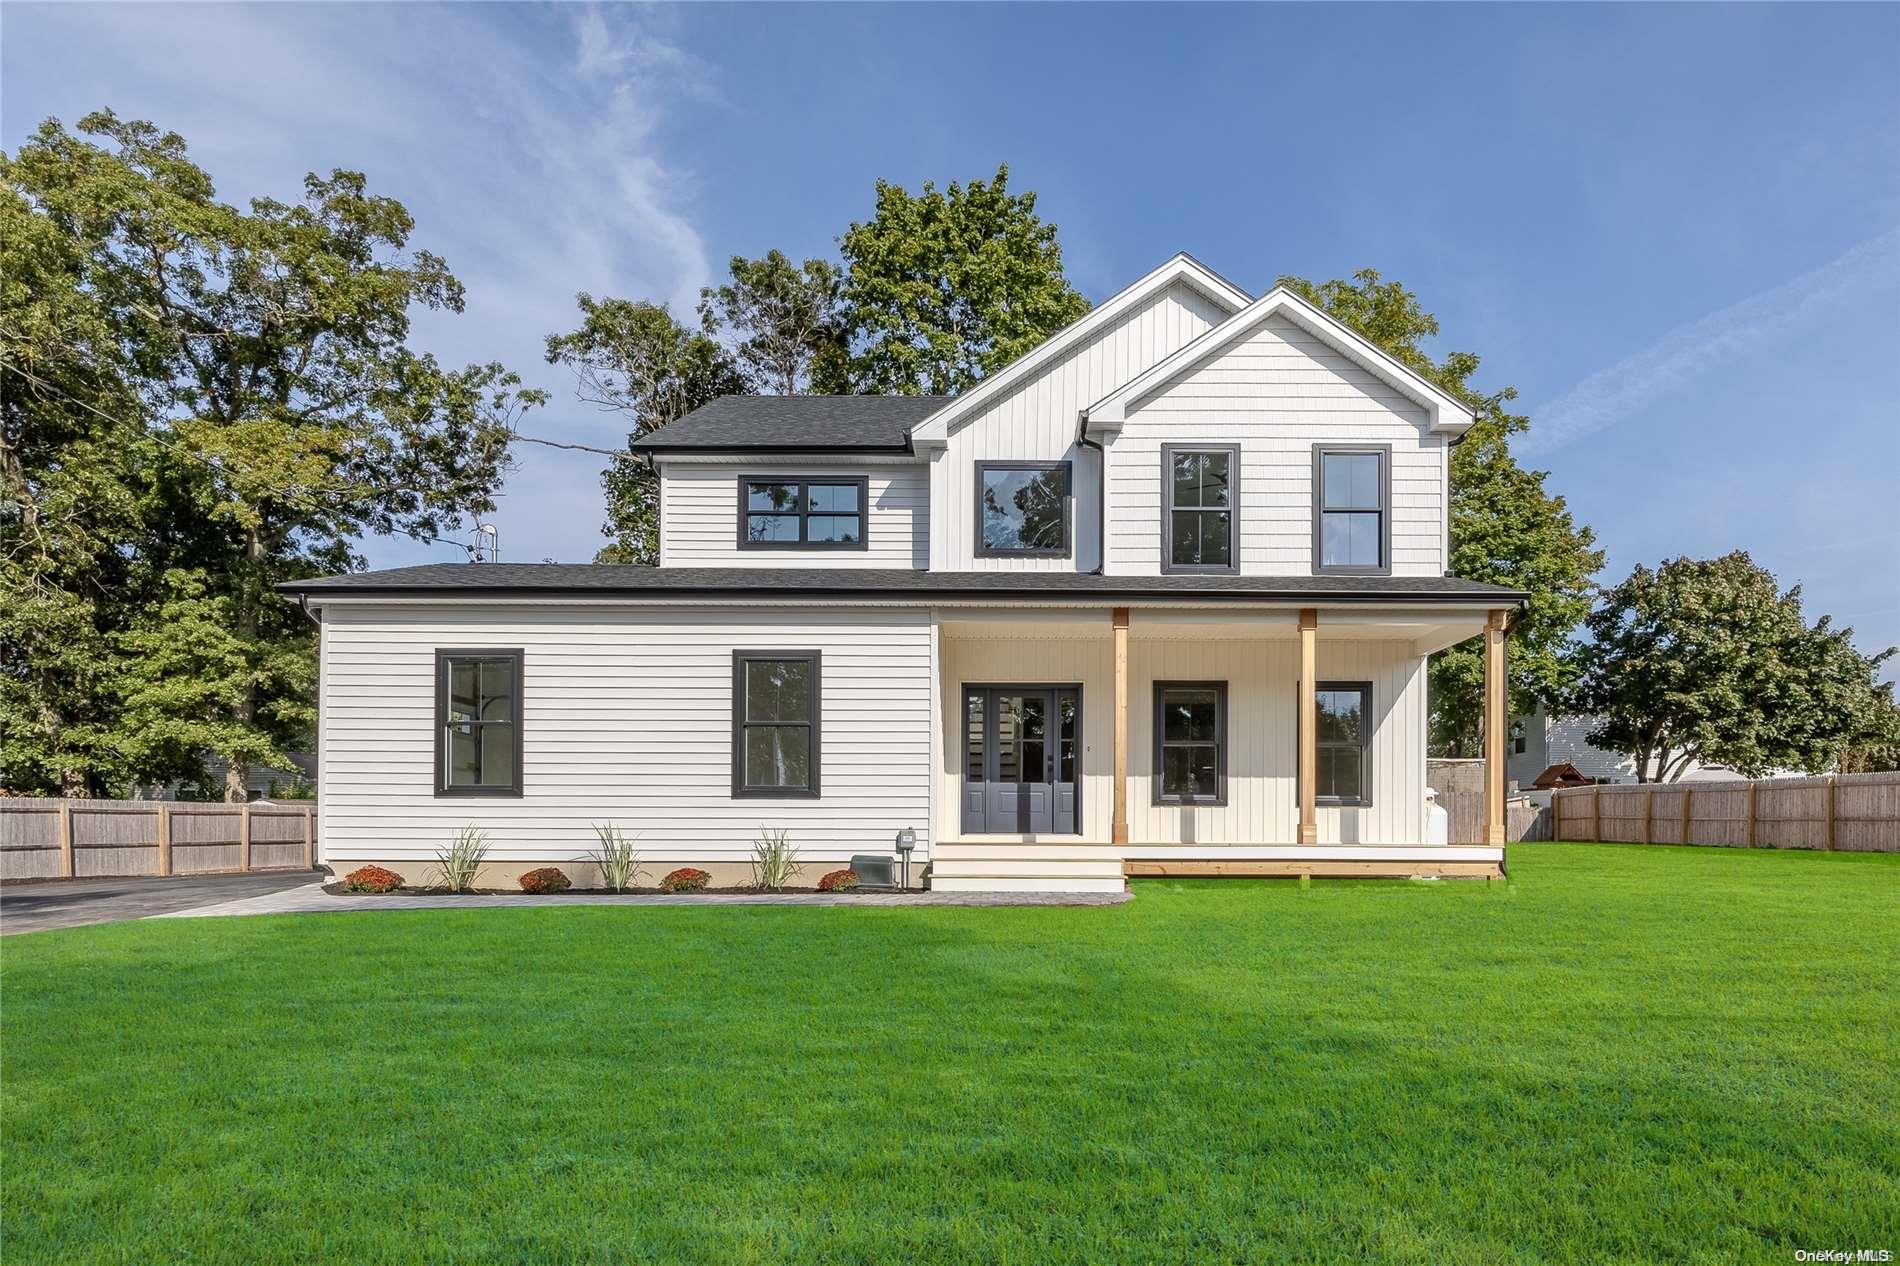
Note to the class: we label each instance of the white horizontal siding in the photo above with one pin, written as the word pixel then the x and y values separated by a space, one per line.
pixel 1277 393
pixel 627 716
pixel 1037 421
pixel 1261 676
pixel 699 516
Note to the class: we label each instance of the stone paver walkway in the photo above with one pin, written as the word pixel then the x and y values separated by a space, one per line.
pixel 312 899
pixel 68 903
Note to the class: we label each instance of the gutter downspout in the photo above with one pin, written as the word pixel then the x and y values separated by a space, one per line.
pixel 1101 492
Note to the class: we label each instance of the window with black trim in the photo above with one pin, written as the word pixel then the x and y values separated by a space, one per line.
pixel 478 722
pixel 1342 742
pixel 1352 509
pixel 1190 742
pixel 1022 509
pixel 1199 488
pixel 775 723
pixel 829 512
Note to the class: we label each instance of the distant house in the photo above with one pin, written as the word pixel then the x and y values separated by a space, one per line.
pixel 1540 741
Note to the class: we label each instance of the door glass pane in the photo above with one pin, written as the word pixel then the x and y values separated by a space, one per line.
pixel 1024 509
pixel 771 527
pixel 1066 710
pixel 778 756
pixel 1007 768
pixel 973 736
pixel 1351 481
pixel 840 529
pixel 833 498
pixel 778 690
pixel 1033 717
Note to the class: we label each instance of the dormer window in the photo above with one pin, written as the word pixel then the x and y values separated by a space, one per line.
pixel 1022 509
pixel 803 513
pixel 1352 509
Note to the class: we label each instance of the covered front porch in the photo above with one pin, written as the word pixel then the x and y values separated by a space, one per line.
pixel 1081 745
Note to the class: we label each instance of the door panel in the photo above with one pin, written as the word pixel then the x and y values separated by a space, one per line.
pixel 1021 757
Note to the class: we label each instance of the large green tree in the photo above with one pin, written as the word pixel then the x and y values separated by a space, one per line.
pixel 786 318
pixel 1506 528
pixel 202 400
pixel 946 286
pixel 633 357
pixel 1709 661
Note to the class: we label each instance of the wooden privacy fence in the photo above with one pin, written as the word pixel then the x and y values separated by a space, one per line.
pixel 1849 812
pixel 1460 788
pixel 51 839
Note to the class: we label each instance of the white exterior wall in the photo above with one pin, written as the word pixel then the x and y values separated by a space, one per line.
pixel 1260 672
pixel 627 715
pixel 1276 393
pixel 699 514
pixel 1037 420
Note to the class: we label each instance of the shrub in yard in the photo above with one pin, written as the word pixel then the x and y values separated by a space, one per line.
pixel 371 879
pixel 461 861
pixel 620 867
pixel 839 881
pixel 546 879
pixel 685 879
pixel 774 860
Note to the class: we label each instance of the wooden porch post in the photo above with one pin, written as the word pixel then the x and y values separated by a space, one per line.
pixel 1497 726
pixel 1309 740
pixel 1119 619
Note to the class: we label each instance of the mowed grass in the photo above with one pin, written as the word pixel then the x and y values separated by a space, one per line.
pixel 1622 1054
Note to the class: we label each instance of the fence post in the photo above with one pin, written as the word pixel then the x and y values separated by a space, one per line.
pixel 164 839
pixel 1649 815
pixel 1828 831
pixel 309 844
pixel 1688 796
pixel 1556 815
pixel 1748 823
pixel 1596 813
pixel 244 837
pixel 66 839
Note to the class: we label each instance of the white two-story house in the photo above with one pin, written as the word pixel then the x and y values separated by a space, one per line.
pixel 1155 599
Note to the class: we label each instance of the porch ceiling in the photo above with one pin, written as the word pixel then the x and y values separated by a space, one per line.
pixel 1422 629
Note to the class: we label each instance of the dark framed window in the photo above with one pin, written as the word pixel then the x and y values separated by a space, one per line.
pixel 1190 742
pixel 1352 508
pixel 799 512
pixel 1022 509
pixel 478 723
pixel 775 723
pixel 1343 743
pixel 1200 494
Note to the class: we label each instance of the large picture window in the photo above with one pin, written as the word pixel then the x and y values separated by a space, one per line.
pixel 1352 510
pixel 1022 509
pixel 775 730
pixel 1200 489
pixel 829 512
pixel 1343 740
pixel 1190 742
pixel 478 723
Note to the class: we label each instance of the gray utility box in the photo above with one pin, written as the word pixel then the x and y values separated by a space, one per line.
pixel 874 871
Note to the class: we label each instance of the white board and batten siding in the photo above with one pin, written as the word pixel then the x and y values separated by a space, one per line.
pixel 627 716
pixel 699 514
pixel 1037 420
pixel 1262 757
pixel 1276 393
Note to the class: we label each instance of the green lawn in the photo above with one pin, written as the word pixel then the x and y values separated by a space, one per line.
pixel 1622 1054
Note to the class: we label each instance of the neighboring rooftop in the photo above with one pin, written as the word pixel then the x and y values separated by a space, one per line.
pixel 878 424
pixel 626 580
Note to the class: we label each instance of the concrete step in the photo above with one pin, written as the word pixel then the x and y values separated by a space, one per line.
pixel 1027 883
pixel 1105 868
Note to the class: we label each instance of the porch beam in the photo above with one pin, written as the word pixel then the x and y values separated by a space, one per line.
pixel 1309 740
pixel 1119 619
pixel 1497 726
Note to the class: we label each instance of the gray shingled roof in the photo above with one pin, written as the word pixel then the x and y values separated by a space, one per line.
pixel 790 423
pixel 623 580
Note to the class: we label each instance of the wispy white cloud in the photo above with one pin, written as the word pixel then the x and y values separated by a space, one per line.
pixel 1688 351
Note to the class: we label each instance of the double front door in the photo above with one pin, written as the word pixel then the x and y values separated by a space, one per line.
pixel 1021 758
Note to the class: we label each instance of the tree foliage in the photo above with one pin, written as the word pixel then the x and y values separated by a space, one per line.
pixel 787 319
pixel 946 286
pixel 1709 661
pixel 200 401
pixel 633 357
pixel 1506 528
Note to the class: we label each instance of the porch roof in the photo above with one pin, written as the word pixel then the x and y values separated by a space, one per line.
pixel 615 580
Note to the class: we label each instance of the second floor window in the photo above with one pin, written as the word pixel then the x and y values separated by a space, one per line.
pixel 1022 509
pixel 814 513
pixel 1199 488
pixel 1351 510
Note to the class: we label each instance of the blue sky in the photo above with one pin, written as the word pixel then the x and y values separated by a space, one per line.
pixel 1675 229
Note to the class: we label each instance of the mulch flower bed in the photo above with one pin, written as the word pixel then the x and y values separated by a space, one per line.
pixel 336 889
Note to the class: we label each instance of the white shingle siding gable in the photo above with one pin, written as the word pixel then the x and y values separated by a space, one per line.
pixel 627 716
pixel 1276 393
pixel 1037 420
pixel 699 508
